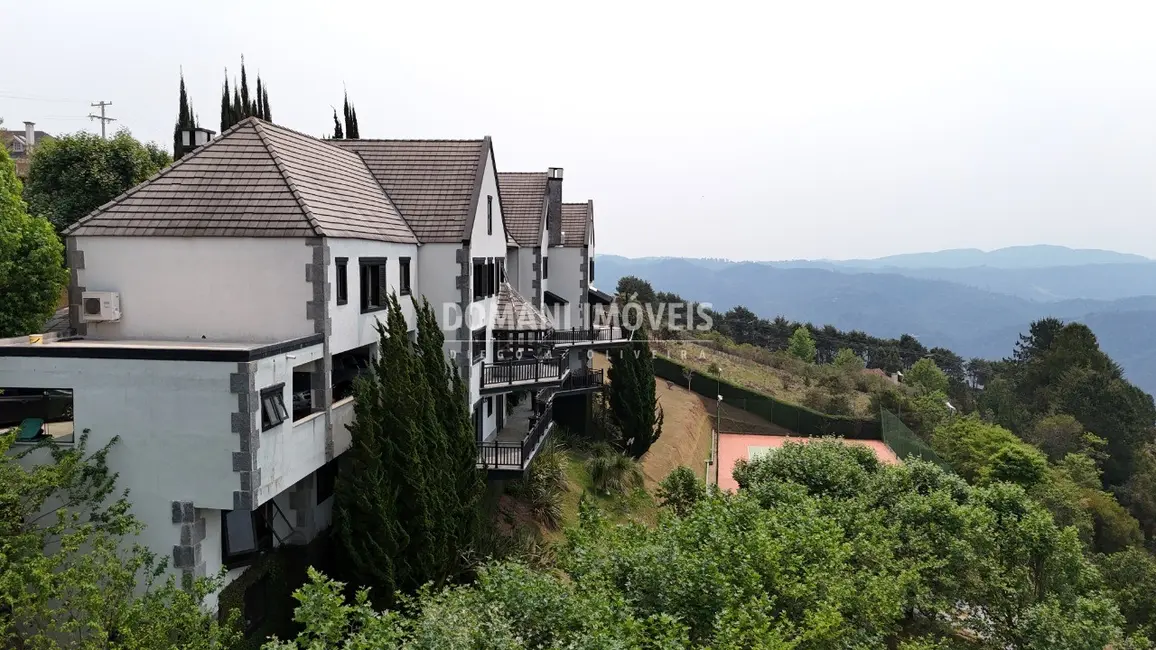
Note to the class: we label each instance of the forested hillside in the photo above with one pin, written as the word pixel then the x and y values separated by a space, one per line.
pixel 971 321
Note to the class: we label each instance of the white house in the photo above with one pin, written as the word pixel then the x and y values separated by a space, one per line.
pixel 221 309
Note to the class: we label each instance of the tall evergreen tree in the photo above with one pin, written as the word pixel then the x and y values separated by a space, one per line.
pixel 226 105
pixel 631 395
pixel 338 134
pixel 260 99
pixel 393 518
pixel 456 454
pixel 185 120
pixel 244 103
pixel 268 115
pixel 351 130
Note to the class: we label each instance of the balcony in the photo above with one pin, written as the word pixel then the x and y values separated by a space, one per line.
pixel 601 336
pixel 582 381
pixel 526 429
pixel 504 376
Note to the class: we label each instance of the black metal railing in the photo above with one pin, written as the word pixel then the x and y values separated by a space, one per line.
pixel 586 335
pixel 508 454
pixel 583 380
pixel 525 371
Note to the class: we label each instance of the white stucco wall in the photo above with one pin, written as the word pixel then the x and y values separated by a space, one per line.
pixel 351 328
pixel 173 420
pixel 566 282
pixel 189 288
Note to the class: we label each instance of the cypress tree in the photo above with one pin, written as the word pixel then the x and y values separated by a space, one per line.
pixel 236 111
pixel 226 107
pixel 185 120
pixel 244 103
pixel 260 100
pixel 632 399
pixel 338 134
pixel 386 511
pixel 351 130
pixel 456 453
pixel 268 117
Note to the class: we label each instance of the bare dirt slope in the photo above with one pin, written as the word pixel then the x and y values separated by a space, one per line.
pixel 686 431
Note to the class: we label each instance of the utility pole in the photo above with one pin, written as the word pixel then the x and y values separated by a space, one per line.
pixel 103 120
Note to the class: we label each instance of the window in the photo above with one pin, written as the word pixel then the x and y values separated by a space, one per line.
pixel 302 394
pixel 342 280
pixel 489 215
pixel 545 268
pixel 244 534
pixel 405 287
pixel 372 283
pixel 479 278
pixel 273 407
pixel 591 270
pixel 478 340
pixel 489 406
pixel 491 286
pixel 326 480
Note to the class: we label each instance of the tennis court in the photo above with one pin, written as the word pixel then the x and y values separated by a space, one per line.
pixel 733 446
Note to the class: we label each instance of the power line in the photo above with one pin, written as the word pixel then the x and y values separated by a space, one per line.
pixel 103 120
pixel 4 94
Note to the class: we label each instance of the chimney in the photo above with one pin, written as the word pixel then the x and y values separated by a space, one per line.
pixel 554 205
pixel 29 136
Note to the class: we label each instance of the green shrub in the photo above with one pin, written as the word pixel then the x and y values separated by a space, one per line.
pixel 681 490
pixel 612 472
pixel 545 483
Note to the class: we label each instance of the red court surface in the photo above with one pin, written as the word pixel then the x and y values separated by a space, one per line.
pixel 733 446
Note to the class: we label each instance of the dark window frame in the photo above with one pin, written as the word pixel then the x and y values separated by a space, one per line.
pixel 489 406
pixel 326 480
pixel 489 214
pixel 545 267
pixel 342 280
pixel 479 275
pixel 276 393
pixel 261 522
pixel 380 264
pixel 405 279
pixel 478 344
pixel 591 270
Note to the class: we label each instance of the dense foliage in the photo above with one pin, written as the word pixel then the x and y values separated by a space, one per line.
pixel 407 495
pixel 823 548
pixel 239 105
pixel 31 260
pixel 69 570
pixel 73 175
pixel 186 119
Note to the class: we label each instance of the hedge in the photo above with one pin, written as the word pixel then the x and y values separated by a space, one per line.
pixel 799 419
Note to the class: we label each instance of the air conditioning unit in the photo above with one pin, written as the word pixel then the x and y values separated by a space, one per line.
pixel 100 306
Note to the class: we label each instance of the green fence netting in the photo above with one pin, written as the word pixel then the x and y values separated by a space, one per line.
pixel 903 440
pixel 798 419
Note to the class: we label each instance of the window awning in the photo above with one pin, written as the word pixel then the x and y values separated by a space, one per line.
pixel 597 297
pixel 554 299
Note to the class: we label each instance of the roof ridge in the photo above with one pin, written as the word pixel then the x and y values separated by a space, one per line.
pixel 524 173
pixel 410 140
pixel 149 181
pixel 317 230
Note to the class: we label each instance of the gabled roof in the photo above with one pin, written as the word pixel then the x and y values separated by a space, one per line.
pixel 524 205
pixel 575 220
pixel 435 183
pixel 256 180
pixel 515 313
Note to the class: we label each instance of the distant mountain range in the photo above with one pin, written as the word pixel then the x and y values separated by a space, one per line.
pixel 976 311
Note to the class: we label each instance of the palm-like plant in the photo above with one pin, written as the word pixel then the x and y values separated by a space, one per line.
pixel 613 472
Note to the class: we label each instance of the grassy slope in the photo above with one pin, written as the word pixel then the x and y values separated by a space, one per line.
pixel 780 383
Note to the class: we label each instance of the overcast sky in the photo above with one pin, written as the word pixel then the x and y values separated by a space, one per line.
pixel 797 130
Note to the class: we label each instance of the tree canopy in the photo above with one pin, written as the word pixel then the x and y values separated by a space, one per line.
pixel 801 345
pixel 823 547
pixel 31 260
pixel 73 175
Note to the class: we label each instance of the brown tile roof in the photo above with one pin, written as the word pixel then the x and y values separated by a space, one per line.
pixel 435 183
pixel 575 217
pixel 515 313
pixel 256 180
pixel 523 205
